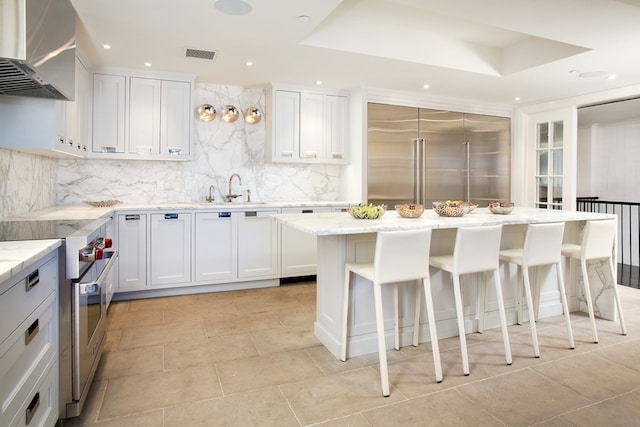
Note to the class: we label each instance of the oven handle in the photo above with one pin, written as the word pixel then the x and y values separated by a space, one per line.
pixel 93 288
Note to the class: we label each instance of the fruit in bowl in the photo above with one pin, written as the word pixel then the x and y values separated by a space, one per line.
pixel 451 208
pixel 501 207
pixel 369 211
pixel 472 206
pixel 409 210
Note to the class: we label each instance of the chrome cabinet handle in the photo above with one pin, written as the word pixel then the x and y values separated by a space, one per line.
pixel 31 332
pixel 33 279
pixel 171 216
pixel 135 217
pixel 32 408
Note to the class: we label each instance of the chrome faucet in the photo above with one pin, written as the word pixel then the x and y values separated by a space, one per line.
pixel 230 196
pixel 210 198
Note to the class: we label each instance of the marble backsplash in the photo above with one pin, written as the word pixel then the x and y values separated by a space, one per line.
pixel 220 149
pixel 27 182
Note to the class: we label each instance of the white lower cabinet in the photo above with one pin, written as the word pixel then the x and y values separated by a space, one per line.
pixel 258 244
pixel 170 248
pixel 216 246
pixel 132 249
pixel 29 346
pixel 298 249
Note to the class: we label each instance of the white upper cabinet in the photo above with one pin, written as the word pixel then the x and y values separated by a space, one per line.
pixel 142 116
pixel 307 125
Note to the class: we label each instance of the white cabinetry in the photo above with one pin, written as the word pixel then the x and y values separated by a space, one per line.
pixel 307 125
pixel 298 249
pixel 142 116
pixel 258 244
pixel 170 248
pixel 216 246
pixel 28 346
pixel 132 251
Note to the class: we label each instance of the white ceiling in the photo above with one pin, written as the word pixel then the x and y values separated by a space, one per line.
pixel 490 50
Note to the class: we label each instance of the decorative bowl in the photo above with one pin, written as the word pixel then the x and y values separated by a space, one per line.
pixel 451 208
pixel 409 210
pixel 369 211
pixel 501 207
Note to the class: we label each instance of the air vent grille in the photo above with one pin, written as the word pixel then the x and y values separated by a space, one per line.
pixel 17 78
pixel 201 54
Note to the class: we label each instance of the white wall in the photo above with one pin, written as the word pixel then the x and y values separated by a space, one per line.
pixel 583 169
pixel 615 152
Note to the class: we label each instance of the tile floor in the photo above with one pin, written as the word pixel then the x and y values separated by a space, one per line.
pixel 249 358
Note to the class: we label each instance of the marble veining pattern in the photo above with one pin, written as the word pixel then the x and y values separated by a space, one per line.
pixel 27 182
pixel 220 149
pixel 15 256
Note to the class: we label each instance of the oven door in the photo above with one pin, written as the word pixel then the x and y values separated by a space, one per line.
pixel 89 322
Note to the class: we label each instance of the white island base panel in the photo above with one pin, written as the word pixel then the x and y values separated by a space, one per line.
pixel 334 250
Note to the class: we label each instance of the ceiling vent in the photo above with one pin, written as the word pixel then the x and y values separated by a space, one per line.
pixel 201 54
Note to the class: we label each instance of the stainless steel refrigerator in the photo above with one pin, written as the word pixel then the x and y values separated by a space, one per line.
pixel 421 155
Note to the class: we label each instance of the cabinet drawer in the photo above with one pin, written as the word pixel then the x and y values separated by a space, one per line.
pixel 31 289
pixel 41 406
pixel 24 357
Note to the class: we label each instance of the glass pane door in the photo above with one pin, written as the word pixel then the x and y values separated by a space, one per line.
pixel 549 166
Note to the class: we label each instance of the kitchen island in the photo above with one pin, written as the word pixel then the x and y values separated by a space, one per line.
pixel 343 239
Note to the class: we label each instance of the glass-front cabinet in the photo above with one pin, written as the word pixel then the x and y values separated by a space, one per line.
pixel 549 165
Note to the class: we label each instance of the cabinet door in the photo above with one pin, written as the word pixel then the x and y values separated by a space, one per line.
pixel 298 249
pixel 216 246
pixel 170 248
pixel 336 128
pixel 144 116
pixel 109 93
pixel 286 119
pixel 132 252
pixel 311 126
pixel 175 130
pixel 257 244
pixel 82 108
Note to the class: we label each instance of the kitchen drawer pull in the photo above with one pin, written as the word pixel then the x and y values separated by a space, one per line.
pixel 224 214
pixel 33 279
pixel 311 154
pixel 286 153
pixel 171 216
pixel 32 408
pixel 31 332
pixel 135 217
pixel 307 210
pixel 251 213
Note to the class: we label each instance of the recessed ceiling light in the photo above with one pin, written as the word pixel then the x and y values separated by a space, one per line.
pixel 249 63
pixel 593 74
pixel 319 82
pixel 611 77
pixel 147 64
pixel 106 46
pixel 233 7
pixel 304 18
pixel 517 98
pixel 426 86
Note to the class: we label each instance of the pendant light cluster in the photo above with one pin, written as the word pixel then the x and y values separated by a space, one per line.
pixel 229 114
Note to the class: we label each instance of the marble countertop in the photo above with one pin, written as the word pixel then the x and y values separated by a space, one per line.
pixel 84 211
pixel 15 256
pixel 334 223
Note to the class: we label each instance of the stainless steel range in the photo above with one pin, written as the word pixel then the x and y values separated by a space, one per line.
pixel 86 275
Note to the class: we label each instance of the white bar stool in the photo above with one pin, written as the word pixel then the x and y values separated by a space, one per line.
pixel 542 246
pixel 475 251
pixel 597 243
pixel 400 256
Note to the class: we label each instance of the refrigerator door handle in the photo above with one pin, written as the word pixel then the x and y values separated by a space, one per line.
pixel 467 192
pixel 420 168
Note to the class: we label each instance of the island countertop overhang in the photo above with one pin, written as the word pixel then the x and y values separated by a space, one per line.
pixel 338 223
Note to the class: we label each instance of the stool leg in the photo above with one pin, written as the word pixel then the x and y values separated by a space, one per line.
pixel 460 315
pixel 565 305
pixel 382 347
pixel 482 301
pixel 587 296
pixel 396 323
pixel 503 317
pixel 519 292
pixel 345 315
pixel 623 327
pixel 532 318
pixel 431 317
pixel 416 316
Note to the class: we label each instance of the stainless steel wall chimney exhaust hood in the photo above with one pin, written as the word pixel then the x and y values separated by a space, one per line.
pixel 37 48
